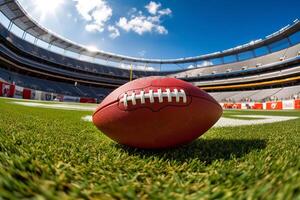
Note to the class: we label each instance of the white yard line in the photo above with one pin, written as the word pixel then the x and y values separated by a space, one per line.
pixel 228 122
pixel 59 106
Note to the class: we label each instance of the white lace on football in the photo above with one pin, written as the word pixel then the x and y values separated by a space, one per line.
pixel 151 95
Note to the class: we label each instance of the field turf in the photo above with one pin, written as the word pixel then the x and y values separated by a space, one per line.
pixel 53 154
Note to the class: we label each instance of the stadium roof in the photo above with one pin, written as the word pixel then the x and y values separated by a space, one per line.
pixel 16 14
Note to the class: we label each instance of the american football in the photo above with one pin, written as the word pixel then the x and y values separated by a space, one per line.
pixel 156 112
pixel 149 99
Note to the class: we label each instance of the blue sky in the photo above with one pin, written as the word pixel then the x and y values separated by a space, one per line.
pixel 163 28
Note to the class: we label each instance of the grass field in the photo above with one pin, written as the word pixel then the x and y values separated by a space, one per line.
pixel 53 154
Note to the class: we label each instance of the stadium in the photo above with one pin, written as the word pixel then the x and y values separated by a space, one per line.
pixel 49 84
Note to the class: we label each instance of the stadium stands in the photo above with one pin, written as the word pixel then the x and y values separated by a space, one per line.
pixel 248 78
pixel 72 63
pixel 209 72
pixel 282 93
pixel 52 86
pixel 251 64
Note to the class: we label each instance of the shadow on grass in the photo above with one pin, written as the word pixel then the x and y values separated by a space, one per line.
pixel 202 149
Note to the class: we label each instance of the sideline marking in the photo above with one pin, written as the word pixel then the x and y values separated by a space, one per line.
pixel 267 119
pixel 59 106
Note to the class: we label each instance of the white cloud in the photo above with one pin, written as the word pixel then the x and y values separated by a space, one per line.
pixel 137 67
pixel 202 64
pixel 161 30
pixel 166 11
pixel 132 11
pixel 155 19
pixel 93 28
pixel 140 23
pixel 114 32
pixel 123 23
pixel 205 64
pixel 95 12
pixel 153 7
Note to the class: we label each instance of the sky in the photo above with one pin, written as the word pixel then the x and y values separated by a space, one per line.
pixel 162 29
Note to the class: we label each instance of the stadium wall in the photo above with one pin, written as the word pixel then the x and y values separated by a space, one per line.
pixel 272 105
pixel 14 91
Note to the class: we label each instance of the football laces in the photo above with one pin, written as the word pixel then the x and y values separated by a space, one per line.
pixel 159 96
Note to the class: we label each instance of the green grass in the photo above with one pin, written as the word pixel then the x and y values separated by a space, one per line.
pixel 53 154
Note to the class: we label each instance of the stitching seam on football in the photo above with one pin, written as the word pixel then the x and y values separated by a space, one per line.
pixel 160 95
